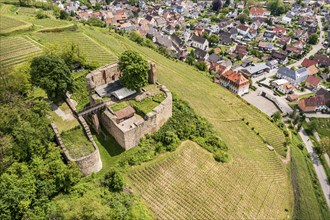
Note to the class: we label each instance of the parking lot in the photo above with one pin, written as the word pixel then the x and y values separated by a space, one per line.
pixel 260 102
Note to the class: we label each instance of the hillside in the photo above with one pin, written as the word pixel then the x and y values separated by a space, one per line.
pixel 255 184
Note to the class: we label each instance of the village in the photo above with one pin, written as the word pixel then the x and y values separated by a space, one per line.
pixel 244 46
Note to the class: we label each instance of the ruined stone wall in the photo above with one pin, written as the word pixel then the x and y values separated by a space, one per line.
pixel 152 122
pixel 87 164
pixel 103 75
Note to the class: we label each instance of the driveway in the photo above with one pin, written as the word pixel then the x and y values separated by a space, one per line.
pixel 316 47
pixel 317 166
pixel 260 102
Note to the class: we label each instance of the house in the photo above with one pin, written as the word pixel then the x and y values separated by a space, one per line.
pixel 272 64
pixel 281 57
pixel 235 82
pixel 241 51
pixel 242 29
pixel 199 42
pixel 266 46
pixel 299 44
pixel 307 62
pixel 312 104
pixel 255 70
pixel 284 40
pixel 301 35
pixel 201 55
pixel 257 12
pixel 312 70
pixel 294 50
pixel 286 19
pixel 292 97
pixel 325 94
pixel 322 60
pixel 293 76
pixel 312 82
pixel 279 31
pixel 269 36
pixel 214 58
pixel 285 88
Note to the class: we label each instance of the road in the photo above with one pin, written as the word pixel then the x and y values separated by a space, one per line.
pixel 315 48
pixel 321 175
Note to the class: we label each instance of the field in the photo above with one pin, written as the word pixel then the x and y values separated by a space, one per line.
pixel 91 49
pixel 9 24
pixel 77 143
pixel 15 50
pixel 189 184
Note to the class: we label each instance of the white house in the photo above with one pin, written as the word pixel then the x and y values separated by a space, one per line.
pixel 199 42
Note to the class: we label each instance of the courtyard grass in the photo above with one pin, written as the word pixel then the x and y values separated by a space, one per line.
pixel 118 106
pixel 148 104
pixel 76 142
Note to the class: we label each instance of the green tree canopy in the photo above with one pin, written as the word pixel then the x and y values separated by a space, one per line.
pixel 313 39
pixel 51 74
pixel 134 69
pixel 277 7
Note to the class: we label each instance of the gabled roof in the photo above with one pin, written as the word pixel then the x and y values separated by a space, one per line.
pixel 309 104
pixel 307 62
pixel 257 11
pixel 322 59
pixel 312 70
pixel 315 81
pixel 198 39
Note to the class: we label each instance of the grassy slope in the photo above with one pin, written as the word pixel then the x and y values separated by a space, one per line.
pixel 309 200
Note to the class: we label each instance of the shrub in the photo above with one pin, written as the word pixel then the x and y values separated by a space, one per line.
pixel 301 146
pixel 221 156
pixel 114 180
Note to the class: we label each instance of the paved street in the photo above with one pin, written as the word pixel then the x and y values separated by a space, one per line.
pixel 316 47
pixel 317 166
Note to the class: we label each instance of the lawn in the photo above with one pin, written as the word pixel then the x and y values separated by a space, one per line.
pixel 76 142
pixel 80 93
pixel 64 125
pixel 189 184
pixel 148 104
pixel 323 127
pixel 118 106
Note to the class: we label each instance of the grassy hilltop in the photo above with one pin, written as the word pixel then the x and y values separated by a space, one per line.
pixel 255 184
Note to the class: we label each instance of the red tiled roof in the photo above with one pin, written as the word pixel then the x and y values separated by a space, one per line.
pixel 309 104
pixel 126 112
pixel 312 80
pixel 307 62
pixel 257 11
pixel 236 79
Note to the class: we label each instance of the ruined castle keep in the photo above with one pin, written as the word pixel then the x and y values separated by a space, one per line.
pixel 126 126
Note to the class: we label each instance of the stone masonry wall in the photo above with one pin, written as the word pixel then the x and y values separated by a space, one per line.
pixel 152 122
pixel 103 75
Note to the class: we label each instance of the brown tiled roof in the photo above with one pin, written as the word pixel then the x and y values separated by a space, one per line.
pixel 257 11
pixel 307 62
pixel 235 78
pixel 313 80
pixel 126 112
pixel 309 104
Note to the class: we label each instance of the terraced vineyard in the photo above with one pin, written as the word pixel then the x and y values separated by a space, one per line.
pixel 9 24
pixel 15 50
pixel 189 184
pixel 92 50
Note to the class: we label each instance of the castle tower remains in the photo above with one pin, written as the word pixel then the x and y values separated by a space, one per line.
pixel 152 78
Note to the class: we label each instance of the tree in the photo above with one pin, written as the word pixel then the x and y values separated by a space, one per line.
pixel 242 18
pixel 201 65
pixel 53 75
pixel 134 69
pixel 313 39
pixel 41 14
pixel 213 39
pixel 227 3
pixel 64 15
pixel 276 7
pixel 114 180
pixel 277 116
pixel 190 60
pixel 216 5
